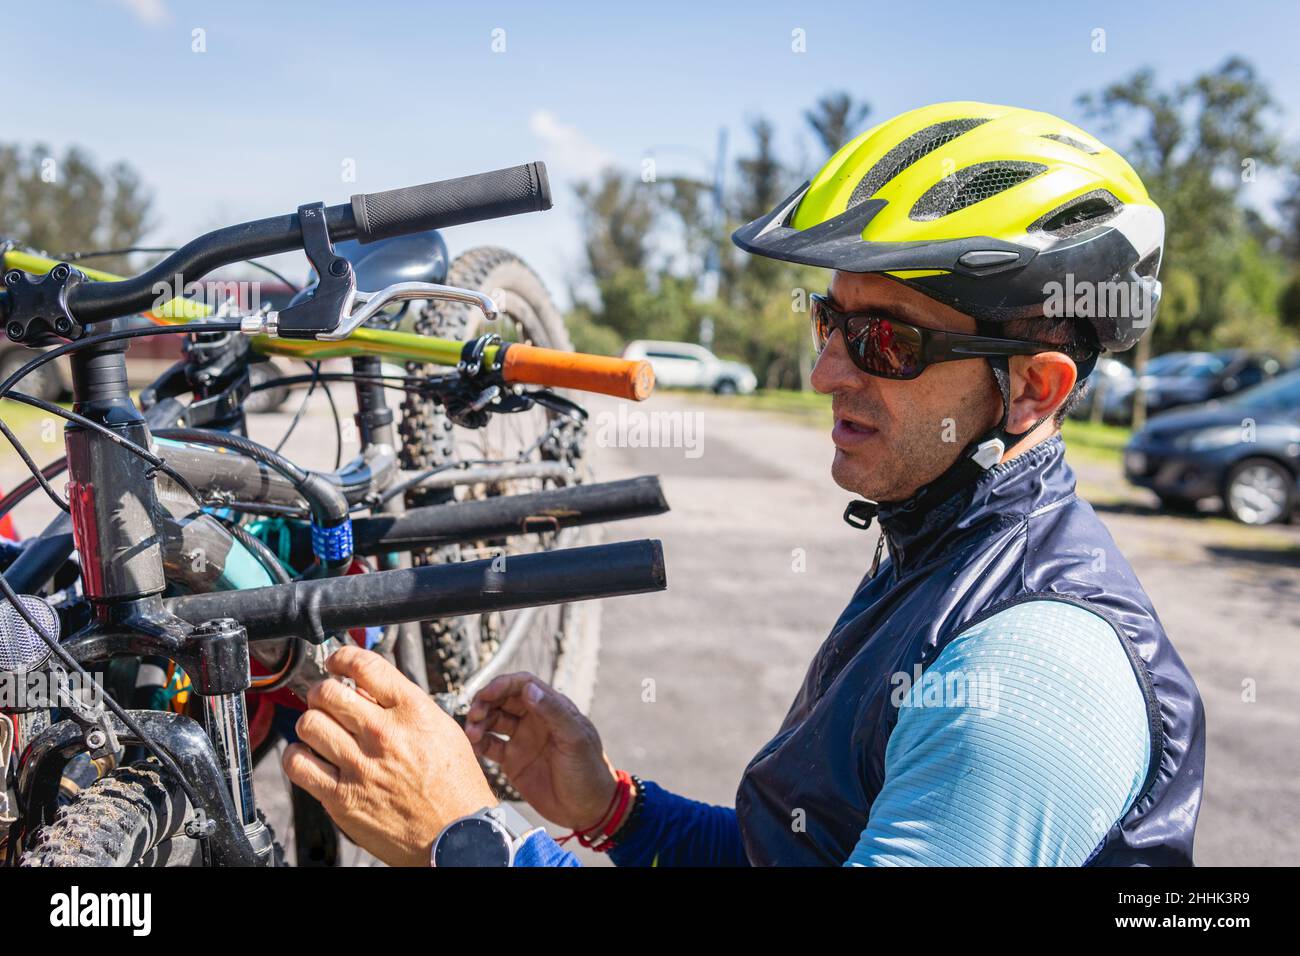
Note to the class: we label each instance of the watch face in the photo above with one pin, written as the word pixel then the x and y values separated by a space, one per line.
pixel 472 842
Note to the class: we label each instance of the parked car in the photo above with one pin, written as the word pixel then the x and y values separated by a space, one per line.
pixel 1189 378
pixel 1244 449
pixel 683 365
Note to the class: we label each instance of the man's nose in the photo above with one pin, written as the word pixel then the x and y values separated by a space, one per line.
pixel 835 371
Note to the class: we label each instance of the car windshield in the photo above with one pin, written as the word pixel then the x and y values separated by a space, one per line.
pixel 1279 395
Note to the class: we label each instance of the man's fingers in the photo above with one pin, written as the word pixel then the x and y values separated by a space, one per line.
pixel 497 722
pixel 308 771
pixel 511 705
pixel 345 704
pixel 375 676
pixel 557 711
pixel 319 731
pixel 492 747
pixel 504 687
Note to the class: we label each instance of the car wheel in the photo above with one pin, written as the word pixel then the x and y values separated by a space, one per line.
pixel 267 400
pixel 1259 491
pixel 43 382
pixel 725 387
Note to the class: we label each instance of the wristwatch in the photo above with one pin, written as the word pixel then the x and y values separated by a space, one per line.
pixel 489 837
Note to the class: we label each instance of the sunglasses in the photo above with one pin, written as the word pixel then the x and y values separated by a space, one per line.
pixel 890 348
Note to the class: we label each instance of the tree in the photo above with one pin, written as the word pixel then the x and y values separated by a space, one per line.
pixel 65 204
pixel 834 119
pixel 762 177
pixel 617 214
pixel 1198 147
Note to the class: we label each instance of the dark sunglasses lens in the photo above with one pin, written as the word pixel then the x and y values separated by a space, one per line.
pixel 885 348
pixel 821 325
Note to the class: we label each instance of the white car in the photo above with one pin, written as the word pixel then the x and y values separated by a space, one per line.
pixel 683 365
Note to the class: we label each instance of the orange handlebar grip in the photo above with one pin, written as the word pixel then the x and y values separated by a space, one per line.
pixel 622 378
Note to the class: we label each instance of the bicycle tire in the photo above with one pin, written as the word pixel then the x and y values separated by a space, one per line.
pixel 455 648
pixel 129 817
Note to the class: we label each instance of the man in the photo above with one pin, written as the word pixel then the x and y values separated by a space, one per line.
pixel 999 690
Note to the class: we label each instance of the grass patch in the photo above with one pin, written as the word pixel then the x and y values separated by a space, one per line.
pixel 1095 442
pixel 29 424
pixel 1105 442
pixel 811 407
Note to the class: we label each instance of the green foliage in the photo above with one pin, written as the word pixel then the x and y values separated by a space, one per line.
pixel 69 203
pixel 1200 147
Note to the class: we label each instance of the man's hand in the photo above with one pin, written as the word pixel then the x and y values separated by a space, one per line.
pixel 552 753
pixel 388 765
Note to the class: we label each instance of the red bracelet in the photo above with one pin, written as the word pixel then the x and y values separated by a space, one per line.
pixel 598 836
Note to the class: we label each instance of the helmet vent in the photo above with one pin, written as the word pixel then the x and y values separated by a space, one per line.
pixel 973 184
pixel 1071 141
pixel 1079 214
pixel 917 146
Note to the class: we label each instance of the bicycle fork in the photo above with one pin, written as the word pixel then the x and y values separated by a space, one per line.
pixel 115 524
pixel 222 647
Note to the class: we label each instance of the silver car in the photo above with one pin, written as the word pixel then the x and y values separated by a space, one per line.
pixel 683 365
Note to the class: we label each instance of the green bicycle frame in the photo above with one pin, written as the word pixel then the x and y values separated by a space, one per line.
pixel 399 346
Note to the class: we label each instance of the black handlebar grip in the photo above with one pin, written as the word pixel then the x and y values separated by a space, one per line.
pixel 502 192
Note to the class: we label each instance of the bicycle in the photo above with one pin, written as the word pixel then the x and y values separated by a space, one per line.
pixel 131 511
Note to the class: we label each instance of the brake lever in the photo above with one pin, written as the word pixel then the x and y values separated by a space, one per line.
pixel 372 303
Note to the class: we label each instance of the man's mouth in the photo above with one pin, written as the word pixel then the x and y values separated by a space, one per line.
pixel 848 433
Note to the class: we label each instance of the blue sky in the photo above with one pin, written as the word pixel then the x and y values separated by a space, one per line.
pixel 289 92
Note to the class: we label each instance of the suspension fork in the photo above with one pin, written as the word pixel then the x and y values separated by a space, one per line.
pixel 221 681
pixel 375 427
pixel 115 519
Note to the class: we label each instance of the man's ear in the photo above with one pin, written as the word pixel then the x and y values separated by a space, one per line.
pixel 1040 384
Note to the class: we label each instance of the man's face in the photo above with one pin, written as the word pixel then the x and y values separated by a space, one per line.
pixel 892 437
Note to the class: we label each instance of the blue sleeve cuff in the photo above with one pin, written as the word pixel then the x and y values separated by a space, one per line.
pixel 675 831
pixel 540 850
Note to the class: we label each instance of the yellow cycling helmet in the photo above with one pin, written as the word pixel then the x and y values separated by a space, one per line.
pixel 992 210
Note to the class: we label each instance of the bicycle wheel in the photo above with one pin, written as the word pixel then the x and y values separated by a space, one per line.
pixel 559 644
pixel 129 817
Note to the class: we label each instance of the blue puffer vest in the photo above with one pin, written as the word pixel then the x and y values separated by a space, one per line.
pixel 1020 533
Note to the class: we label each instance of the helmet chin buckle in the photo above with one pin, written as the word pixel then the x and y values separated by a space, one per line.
pixel 989 453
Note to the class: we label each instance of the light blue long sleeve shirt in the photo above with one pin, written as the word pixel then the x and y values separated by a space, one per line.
pixel 1021 745
pixel 1032 768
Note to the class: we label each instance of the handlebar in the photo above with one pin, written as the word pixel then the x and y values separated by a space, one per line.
pixel 502 192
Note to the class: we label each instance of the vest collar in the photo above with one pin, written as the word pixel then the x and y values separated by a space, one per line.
pixel 917 531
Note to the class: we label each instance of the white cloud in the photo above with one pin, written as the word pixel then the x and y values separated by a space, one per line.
pixel 151 12
pixel 567 150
